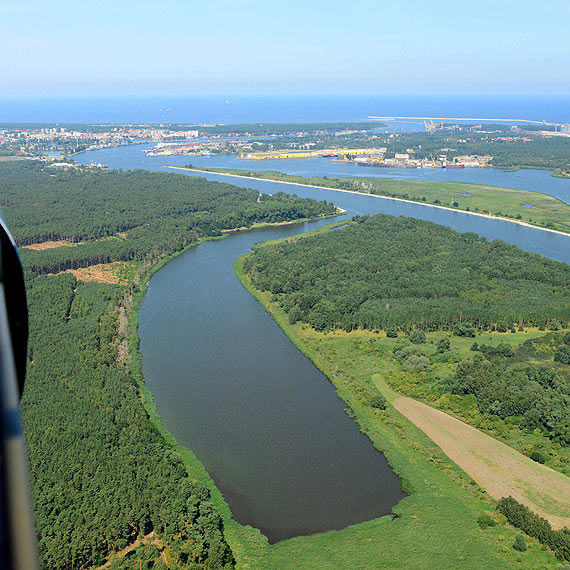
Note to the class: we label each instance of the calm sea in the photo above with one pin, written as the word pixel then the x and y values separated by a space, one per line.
pixel 295 109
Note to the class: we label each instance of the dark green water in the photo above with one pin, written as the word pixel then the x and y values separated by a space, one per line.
pixel 266 424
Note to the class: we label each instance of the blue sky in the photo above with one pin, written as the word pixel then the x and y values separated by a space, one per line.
pixel 123 47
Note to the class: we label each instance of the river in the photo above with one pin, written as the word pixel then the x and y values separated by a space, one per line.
pixel 129 157
pixel 229 385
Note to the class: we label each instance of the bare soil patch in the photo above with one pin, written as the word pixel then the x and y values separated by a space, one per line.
pixel 495 466
pixel 60 243
pixel 100 273
pixel 48 245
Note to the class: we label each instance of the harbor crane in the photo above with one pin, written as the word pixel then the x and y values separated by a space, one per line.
pixel 431 126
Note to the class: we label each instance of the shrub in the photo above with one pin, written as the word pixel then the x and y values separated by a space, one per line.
pixel 294 315
pixel 392 333
pixel 538 457
pixel 418 336
pixel 417 362
pixel 563 355
pixel 443 345
pixel 484 520
pixel 463 329
pixel 520 543
pixel 378 402
pixel 405 352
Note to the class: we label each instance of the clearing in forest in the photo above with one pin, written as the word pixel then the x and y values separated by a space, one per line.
pixel 117 272
pixel 66 243
pixel 48 245
pixel 495 466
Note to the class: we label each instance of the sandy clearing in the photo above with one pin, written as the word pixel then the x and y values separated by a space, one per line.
pixel 100 273
pixel 495 466
pixel 489 216
pixel 48 245
pixel 61 243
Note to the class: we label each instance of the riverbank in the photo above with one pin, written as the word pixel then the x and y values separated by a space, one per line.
pixel 559 173
pixel 258 226
pixel 550 202
pixel 241 538
pixel 194 468
pixel 437 521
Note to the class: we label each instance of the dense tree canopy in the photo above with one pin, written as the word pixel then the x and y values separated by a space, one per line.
pixel 118 216
pixel 102 474
pixel 400 273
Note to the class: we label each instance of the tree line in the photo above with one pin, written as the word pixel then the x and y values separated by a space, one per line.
pixel 120 216
pixel 532 524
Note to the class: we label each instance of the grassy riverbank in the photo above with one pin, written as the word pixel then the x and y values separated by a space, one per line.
pixel 559 173
pixel 238 536
pixel 435 526
pixel 246 542
pixel 520 206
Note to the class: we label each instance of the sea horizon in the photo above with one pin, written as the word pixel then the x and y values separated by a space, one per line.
pixel 232 109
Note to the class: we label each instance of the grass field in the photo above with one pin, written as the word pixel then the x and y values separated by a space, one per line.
pixel 522 206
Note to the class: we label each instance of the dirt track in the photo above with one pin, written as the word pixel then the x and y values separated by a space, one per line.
pixel 495 466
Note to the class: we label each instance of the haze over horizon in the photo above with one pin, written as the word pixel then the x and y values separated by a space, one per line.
pixel 124 48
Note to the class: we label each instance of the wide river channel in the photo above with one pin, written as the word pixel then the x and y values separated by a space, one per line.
pixel 230 386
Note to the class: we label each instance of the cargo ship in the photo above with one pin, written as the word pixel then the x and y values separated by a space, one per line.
pixel 453 165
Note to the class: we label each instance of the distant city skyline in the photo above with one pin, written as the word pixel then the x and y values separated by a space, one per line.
pixel 179 47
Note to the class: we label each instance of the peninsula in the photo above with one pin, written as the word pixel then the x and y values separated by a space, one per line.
pixel 522 207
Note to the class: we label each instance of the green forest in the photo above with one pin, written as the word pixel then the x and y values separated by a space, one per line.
pixel 121 216
pixel 102 474
pixel 400 273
